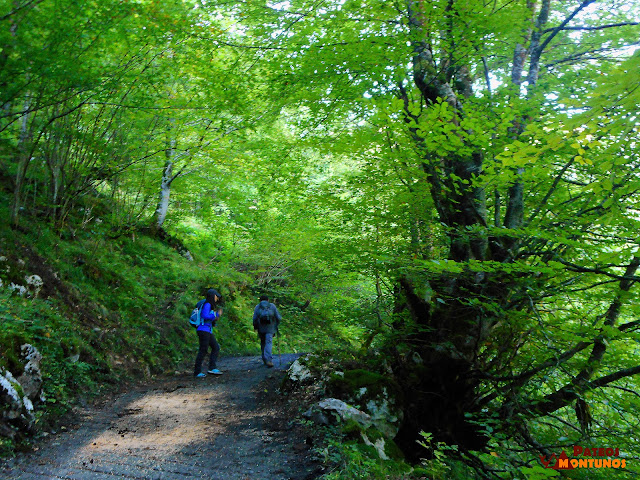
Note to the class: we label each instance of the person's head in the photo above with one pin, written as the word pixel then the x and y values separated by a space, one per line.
pixel 264 298
pixel 213 296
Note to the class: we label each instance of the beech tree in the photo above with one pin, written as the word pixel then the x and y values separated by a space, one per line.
pixel 526 225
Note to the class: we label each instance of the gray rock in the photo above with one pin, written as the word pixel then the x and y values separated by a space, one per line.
pixel 385 414
pixel 316 415
pixel 20 289
pixel 15 407
pixel 373 393
pixel 345 411
pixel 31 378
pixel 34 284
pixel 298 371
pixel 17 396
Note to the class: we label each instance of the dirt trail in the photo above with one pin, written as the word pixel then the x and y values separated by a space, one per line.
pixel 230 427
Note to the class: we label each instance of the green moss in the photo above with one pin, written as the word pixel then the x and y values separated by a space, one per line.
pixel 366 450
pixel 373 434
pixel 6 447
pixel 350 385
pixel 313 362
pixel 351 428
pixel 10 359
pixel 391 449
pixel 18 388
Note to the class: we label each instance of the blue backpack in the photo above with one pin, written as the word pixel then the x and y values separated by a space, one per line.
pixel 194 318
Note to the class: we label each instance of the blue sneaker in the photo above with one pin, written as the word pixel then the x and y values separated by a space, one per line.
pixel 215 371
pixel 201 375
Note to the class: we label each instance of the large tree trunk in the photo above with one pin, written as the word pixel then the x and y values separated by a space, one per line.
pixel 451 324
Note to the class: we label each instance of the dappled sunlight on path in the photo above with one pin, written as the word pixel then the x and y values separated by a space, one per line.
pixel 179 428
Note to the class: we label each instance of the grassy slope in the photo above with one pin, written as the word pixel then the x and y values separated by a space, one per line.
pixel 112 307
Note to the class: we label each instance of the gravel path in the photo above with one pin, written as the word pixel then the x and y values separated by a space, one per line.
pixel 231 427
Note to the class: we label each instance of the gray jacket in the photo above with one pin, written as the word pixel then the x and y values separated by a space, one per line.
pixel 273 312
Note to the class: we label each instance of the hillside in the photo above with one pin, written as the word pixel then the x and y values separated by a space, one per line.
pixel 108 305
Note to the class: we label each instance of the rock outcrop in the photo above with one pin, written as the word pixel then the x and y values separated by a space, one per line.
pixel 368 405
pixel 17 396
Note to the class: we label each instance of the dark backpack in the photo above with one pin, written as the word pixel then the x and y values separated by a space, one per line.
pixel 194 318
pixel 265 316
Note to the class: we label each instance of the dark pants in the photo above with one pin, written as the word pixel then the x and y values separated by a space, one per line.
pixel 206 340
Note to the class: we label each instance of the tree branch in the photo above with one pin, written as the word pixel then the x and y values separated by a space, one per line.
pixel 629 326
pixel 486 75
pixel 21 7
pixel 560 27
pixel 580 269
pixel 612 377
pixel 580 383
pixel 600 27
pixel 200 145
pixel 551 190
pixel 569 392
pixel 580 56
pixel 551 362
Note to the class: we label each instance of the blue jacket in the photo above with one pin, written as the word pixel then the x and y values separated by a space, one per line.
pixel 275 318
pixel 208 317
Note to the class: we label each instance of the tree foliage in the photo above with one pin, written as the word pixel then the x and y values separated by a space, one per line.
pixel 458 179
pixel 498 112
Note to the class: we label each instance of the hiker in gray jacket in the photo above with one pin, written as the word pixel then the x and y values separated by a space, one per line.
pixel 266 320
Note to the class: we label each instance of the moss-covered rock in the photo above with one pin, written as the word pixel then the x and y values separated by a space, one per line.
pixel 362 384
pixel 385 447
pixel 377 395
pixel 310 372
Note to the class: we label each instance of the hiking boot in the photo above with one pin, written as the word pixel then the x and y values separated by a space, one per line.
pixel 269 364
pixel 201 375
pixel 215 371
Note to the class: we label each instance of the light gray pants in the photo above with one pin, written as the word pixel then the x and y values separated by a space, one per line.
pixel 266 346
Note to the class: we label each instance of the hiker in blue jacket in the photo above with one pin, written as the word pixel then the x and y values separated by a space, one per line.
pixel 209 315
pixel 266 320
